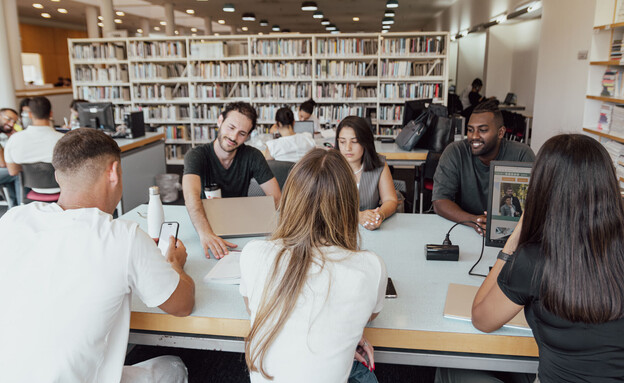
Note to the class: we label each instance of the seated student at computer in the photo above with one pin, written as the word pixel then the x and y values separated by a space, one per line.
pixel 290 146
pixel 306 113
pixel 35 143
pixel 70 271
pixel 309 289
pixel 462 178
pixel 564 265
pixel 73 116
pixel 378 198
pixel 228 163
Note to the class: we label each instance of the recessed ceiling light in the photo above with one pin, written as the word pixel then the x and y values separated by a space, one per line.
pixel 228 7
pixel 217 34
pixel 139 30
pixel 56 1
pixel 335 32
pixel 62 10
pixel 193 29
pixel 163 23
pixel 190 11
pixel 325 22
pixel 275 28
pixel 100 18
pixel 221 21
pixel 384 31
pixel 249 16
pixel 387 20
pixel 264 23
pixel 356 19
pixel 194 34
pixel 176 32
pixel 117 21
pixel 392 4
pixel 260 33
pixel 309 6
pixel 46 15
pixel 318 15
pixel 385 26
pixel 38 6
pixel 245 29
pixel 331 27
pixel 120 13
pixel 389 13
pixel 157 28
pixel 100 24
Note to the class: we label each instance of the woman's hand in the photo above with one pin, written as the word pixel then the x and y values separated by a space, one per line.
pixel 512 242
pixel 371 219
pixel 365 351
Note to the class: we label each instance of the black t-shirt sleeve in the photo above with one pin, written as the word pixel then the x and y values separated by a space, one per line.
pixel 261 171
pixel 474 98
pixel 516 278
pixel 195 161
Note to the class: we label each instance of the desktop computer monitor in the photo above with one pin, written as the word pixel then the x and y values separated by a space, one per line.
pixel 97 115
pixel 414 108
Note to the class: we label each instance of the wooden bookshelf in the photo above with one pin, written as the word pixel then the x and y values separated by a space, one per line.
pixel 607 63
pixel 604 135
pixel 608 26
pixel 606 99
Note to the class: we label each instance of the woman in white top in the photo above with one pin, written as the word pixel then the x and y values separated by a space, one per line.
pixel 378 197
pixel 290 146
pixel 309 289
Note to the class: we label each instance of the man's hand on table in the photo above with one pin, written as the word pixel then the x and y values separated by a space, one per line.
pixel 215 244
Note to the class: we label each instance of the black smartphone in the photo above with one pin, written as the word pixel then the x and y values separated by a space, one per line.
pixel 390 290
pixel 166 230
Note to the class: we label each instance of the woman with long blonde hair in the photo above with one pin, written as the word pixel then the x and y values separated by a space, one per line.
pixel 309 289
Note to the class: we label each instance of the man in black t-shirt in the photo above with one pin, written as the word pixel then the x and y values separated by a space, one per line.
pixel 230 164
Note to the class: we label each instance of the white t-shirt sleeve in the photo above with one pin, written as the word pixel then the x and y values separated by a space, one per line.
pixel 8 156
pixel 150 276
pixel 383 281
pixel 249 268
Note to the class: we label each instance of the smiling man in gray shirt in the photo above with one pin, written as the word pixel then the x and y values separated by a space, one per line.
pixel 462 179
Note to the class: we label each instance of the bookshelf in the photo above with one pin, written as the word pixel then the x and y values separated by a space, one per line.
pixel 181 83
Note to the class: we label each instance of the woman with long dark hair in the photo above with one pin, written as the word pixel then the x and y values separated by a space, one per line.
pixel 310 290
pixel 564 264
pixel 378 198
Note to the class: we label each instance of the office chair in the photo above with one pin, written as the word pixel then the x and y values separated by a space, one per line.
pixel 39 175
pixel 280 170
pixel 431 164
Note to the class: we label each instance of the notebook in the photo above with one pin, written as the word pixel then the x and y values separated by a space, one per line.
pixel 459 306
pixel 241 216
pixel 226 271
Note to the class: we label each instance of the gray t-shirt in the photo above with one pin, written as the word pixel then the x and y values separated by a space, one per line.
pixel 463 178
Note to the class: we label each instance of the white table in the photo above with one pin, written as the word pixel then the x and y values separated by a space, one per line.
pixel 411 329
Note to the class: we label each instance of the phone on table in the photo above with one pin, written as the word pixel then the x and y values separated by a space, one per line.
pixel 390 290
pixel 166 230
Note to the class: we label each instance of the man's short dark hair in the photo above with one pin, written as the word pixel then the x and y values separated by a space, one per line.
pixel 9 110
pixel 23 104
pixel 78 147
pixel 245 109
pixel 490 106
pixel 40 107
pixel 477 82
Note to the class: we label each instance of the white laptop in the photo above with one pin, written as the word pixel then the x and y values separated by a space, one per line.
pixel 241 216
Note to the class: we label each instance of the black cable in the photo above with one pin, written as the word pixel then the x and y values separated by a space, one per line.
pixel 447 241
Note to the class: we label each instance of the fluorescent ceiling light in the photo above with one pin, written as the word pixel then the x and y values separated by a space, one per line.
pixel 385 26
pixel 387 20
pixel 392 4
pixel 228 7
pixel 139 30
pixel 100 24
pixel 221 21
pixel 56 1
pixel 384 31
pixel 190 11
pixel 176 32
pixel 249 16
pixel 100 18
pixel 260 33
pixel 264 23
pixel 45 15
pixel 275 28
pixel 117 21
pixel 389 13
pixel 120 13
pixel 217 34
pixel 356 19
pixel 318 15
pixel 62 10
pixel 193 29
pixel 309 6
pixel 331 27
pixel 245 29
pixel 38 6
pixel 157 28
pixel 335 32
pixel 325 22
pixel 163 23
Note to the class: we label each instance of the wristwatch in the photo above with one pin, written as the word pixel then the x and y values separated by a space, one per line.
pixel 504 256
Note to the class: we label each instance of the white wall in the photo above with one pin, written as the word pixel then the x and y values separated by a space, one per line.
pixel 470 59
pixel 567 27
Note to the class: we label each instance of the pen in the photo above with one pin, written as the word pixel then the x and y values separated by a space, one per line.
pixel 234 250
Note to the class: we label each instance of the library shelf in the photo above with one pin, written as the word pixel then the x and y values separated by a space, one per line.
pixel 606 99
pixel 98 62
pixel 367 80
pixel 281 79
pixel 180 80
pixel 604 135
pixel 161 101
pixel 285 58
pixel 157 59
pixel 608 26
pixel 607 63
pixel 224 58
pixel 178 141
pixel 279 101
pixel 102 83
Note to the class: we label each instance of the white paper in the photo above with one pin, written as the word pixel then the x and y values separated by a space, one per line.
pixel 227 270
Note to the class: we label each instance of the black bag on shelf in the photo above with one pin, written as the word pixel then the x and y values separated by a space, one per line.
pixel 440 129
pixel 412 132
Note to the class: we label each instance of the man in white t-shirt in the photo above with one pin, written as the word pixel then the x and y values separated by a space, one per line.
pixel 69 271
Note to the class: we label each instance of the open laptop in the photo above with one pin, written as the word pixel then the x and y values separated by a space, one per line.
pixel 503 211
pixel 510 99
pixel 304 126
pixel 241 216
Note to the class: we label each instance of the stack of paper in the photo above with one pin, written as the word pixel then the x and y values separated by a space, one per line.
pixel 604 122
pixel 617 121
pixel 227 270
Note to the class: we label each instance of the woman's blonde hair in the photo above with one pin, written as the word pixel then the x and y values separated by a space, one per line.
pixel 319 207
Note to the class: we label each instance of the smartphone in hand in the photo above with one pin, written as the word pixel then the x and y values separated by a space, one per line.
pixel 166 230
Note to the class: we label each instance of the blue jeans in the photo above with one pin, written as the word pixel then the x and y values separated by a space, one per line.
pixel 361 374
pixel 14 186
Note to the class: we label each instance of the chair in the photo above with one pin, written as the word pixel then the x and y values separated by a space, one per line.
pixel 431 164
pixel 280 170
pixel 39 175
pixel 4 193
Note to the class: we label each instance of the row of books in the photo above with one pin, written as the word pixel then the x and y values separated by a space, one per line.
pixel 220 69
pixel 118 93
pixel 282 47
pixel 161 91
pixel 206 50
pixel 206 112
pixel 390 113
pixel 282 69
pixel 616 152
pixel 113 73
pixel 344 91
pixel 148 49
pixel 408 69
pixel 205 133
pixel 612 83
pixel 611 119
pixel 409 91
pixel 166 112
pixel 226 90
pixel 99 51
pixel 120 111
pixel 267 112
pixel 342 46
pixel 176 152
pixel 616 47
pixel 413 45
pixel 340 68
pixel 178 132
pixel 155 71
pixel 330 114
pixel 281 90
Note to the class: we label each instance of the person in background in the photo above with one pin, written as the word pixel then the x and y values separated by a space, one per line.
pixel 8 121
pixel 310 290
pixel 306 113
pixel 228 163
pixel 462 179
pixel 378 198
pixel 24 112
pixel 70 271
pixel 73 116
pixel 564 265
pixel 290 146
